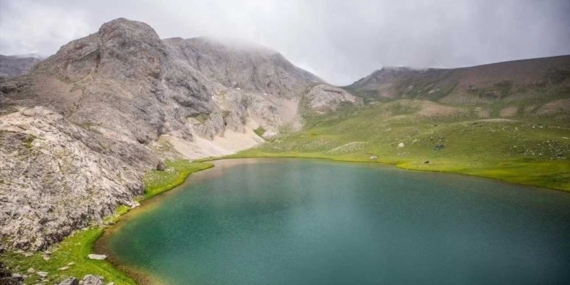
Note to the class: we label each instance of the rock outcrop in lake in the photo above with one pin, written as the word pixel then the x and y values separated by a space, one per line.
pixel 79 130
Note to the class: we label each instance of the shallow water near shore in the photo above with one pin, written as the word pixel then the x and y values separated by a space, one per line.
pixel 289 221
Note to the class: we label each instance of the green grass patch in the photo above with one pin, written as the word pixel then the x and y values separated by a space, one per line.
pixel 201 117
pixel 259 131
pixel 519 151
pixel 74 248
pixel 176 172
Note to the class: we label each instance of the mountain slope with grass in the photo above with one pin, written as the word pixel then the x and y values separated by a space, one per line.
pixel 509 121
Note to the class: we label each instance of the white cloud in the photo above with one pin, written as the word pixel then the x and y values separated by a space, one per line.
pixel 31 27
pixel 340 41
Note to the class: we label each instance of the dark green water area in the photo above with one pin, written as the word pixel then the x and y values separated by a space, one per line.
pixel 315 222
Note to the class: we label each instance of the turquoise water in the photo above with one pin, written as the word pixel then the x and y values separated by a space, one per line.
pixel 311 222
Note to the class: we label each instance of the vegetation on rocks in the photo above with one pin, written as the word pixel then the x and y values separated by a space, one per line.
pixel 259 131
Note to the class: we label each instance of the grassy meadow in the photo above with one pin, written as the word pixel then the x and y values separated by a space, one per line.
pixel 428 136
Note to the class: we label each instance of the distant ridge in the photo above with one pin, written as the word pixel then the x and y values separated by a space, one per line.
pixel 14 65
pixel 477 84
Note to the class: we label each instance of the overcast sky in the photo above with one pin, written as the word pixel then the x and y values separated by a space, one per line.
pixel 340 41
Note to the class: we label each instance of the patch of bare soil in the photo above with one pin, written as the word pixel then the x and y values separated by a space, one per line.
pixel 509 111
pixel 230 143
pixel 558 106
pixel 431 110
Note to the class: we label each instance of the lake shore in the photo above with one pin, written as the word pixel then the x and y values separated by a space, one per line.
pixel 220 165
pixel 503 173
pixel 160 193
pixel 144 278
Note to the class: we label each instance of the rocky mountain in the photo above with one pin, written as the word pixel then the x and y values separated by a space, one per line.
pixel 80 129
pixel 237 64
pixel 15 65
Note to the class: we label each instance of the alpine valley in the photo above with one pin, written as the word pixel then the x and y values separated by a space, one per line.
pixel 122 115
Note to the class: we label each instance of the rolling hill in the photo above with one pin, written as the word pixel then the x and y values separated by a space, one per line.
pixel 509 121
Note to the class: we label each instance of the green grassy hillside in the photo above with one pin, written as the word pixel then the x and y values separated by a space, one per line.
pixel 525 148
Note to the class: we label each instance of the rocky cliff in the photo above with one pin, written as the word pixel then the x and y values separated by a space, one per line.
pixel 237 64
pixel 79 130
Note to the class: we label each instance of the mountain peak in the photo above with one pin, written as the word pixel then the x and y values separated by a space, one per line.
pixel 125 24
pixel 123 33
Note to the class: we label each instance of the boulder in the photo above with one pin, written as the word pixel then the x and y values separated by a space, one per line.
pixel 401 144
pixel 373 157
pixel 92 280
pixel 97 256
pixel 69 281
pixel 161 166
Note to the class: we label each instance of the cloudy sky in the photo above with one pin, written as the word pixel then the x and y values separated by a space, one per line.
pixel 339 41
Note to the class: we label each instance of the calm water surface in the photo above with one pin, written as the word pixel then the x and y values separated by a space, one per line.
pixel 311 222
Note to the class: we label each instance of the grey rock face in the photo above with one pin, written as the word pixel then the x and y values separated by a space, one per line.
pixel 242 65
pixel 11 66
pixel 55 177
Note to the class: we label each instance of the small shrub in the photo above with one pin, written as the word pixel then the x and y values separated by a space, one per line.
pixel 259 131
